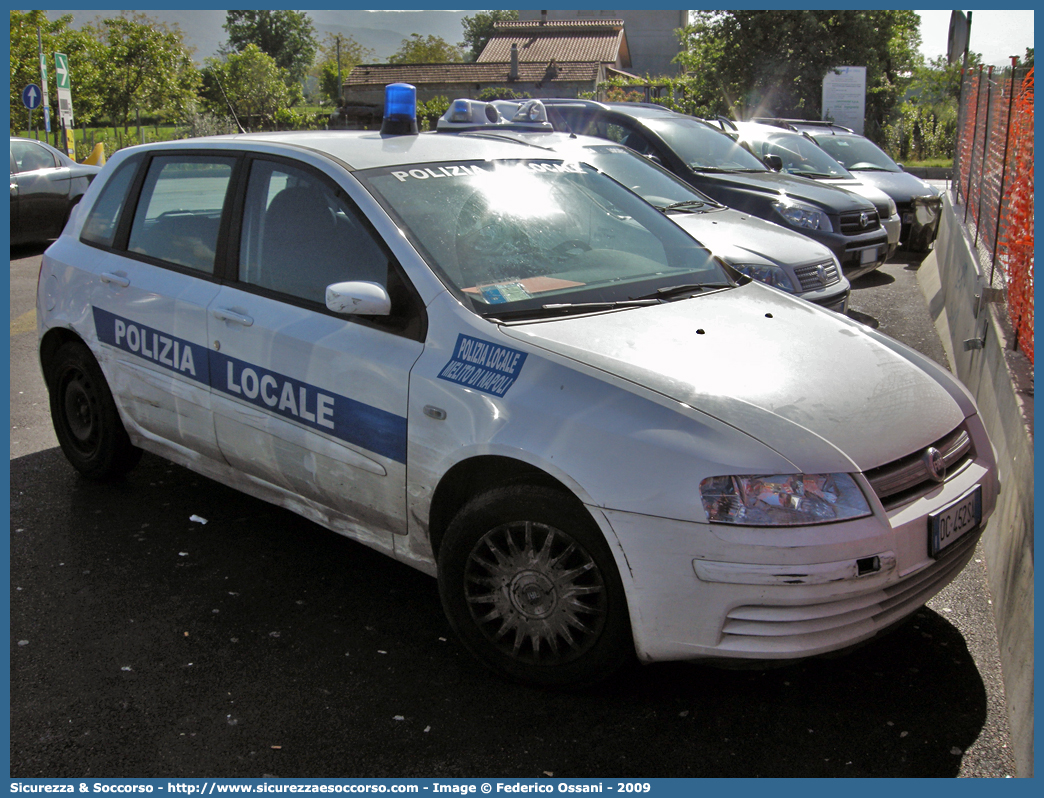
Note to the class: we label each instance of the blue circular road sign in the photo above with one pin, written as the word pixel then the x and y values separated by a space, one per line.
pixel 32 96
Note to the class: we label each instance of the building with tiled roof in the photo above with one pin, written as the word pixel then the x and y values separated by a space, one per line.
pixel 652 42
pixel 597 41
pixel 541 58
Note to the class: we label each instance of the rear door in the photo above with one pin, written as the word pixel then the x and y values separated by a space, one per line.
pixel 306 400
pixel 154 279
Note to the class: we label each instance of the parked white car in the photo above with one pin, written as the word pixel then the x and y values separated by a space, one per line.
pixel 505 369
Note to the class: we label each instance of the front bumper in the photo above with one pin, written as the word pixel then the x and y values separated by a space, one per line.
pixel 711 592
pixel 920 224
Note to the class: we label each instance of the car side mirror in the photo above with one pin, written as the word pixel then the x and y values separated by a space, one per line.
pixel 358 298
pixel 901 167
pixel 773 162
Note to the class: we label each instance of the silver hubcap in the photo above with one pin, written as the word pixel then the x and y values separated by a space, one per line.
pixel 535 593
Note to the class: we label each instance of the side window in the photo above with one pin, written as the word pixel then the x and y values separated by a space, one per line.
pixel 179 211
pixel 300 235
pixel 630 138
pixel 29 157
pixel 100 225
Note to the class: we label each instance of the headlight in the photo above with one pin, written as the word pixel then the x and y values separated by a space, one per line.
pixel 766 273
pixel 801 216
pixel 782 499
pixel 892 210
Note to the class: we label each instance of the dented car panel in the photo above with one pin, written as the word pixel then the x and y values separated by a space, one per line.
pixel 600 357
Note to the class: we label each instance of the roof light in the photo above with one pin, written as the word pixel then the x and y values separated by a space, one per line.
pixel 400 110
pixel 465 114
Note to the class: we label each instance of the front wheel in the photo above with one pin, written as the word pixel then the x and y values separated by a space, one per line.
pixel 85 417
pixel 530 586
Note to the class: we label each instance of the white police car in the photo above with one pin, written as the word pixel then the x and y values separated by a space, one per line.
pixel 505 369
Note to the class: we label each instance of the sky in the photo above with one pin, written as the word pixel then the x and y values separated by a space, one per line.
pixel 996 35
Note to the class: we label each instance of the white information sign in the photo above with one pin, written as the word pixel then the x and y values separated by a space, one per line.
pixel 844 96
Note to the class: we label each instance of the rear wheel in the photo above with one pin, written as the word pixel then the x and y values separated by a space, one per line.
pixel 530 585
pixel 85 417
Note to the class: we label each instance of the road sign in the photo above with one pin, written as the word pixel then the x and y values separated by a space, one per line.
pixel 32 96
pixel 61 69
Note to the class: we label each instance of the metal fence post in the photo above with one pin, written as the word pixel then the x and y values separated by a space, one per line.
pixel 985 151
pixel 971 158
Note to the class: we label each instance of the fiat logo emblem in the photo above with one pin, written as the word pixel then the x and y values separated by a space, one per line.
pixel 864 219
pixel 935 463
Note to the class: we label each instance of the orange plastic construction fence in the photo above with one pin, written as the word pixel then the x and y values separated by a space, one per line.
pixel 1016 245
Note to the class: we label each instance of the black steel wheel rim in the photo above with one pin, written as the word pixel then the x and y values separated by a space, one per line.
pixel 80 411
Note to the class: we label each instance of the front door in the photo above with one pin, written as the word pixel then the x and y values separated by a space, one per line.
pixel 306 400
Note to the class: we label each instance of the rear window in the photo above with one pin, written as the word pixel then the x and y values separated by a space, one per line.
pixel 101 223
pixel 179 211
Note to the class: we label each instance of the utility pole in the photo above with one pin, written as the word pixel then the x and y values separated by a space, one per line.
pixel 340 85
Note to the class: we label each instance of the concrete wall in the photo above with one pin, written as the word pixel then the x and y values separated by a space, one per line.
pixel 1002 383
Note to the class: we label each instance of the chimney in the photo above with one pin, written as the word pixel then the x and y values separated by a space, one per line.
pixel 543 17
pixel 513 74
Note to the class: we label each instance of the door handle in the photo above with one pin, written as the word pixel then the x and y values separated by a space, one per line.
pixel 116 279
pixel 224 314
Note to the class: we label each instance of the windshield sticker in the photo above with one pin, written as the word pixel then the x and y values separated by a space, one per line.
pixel 504 292
pixel 484 366
pixel 531 285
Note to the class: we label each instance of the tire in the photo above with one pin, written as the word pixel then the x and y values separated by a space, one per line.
pixel 531 588
pixel 85 417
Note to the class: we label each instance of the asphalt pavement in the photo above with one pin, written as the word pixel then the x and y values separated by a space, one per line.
pixel 147 643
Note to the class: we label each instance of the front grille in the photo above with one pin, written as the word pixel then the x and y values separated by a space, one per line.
pixel 817 276
pixel 907 478
pixel 852 223
pixel 764 629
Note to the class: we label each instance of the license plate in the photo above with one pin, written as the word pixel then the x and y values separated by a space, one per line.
pixel 868 255
pixel 948 525
pixel 908 217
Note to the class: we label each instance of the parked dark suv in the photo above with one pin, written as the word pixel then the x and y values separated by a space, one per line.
pixel 919 204
pixel 711 161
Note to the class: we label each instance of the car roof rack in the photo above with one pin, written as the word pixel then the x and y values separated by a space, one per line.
pixel 790 124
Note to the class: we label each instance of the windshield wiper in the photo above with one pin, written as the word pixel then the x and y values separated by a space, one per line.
pixel 567 308
pixel 685 288
pixel 684 205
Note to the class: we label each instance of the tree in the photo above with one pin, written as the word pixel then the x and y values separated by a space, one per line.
pixel 57 37
pixel 750 63
pixel 479 28
pixel 325 68
pixel 248 85
pixel 426 50
pixel 147 67
pixel 925 124
pixel 287 36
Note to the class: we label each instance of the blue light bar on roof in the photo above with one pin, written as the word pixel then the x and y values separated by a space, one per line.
pixel 400 110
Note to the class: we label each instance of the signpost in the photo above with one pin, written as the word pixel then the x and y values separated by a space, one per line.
pixel 61 70
pixel 43 81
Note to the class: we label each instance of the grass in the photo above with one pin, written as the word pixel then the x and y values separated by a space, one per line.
pixel 112 139
pixel 946 163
